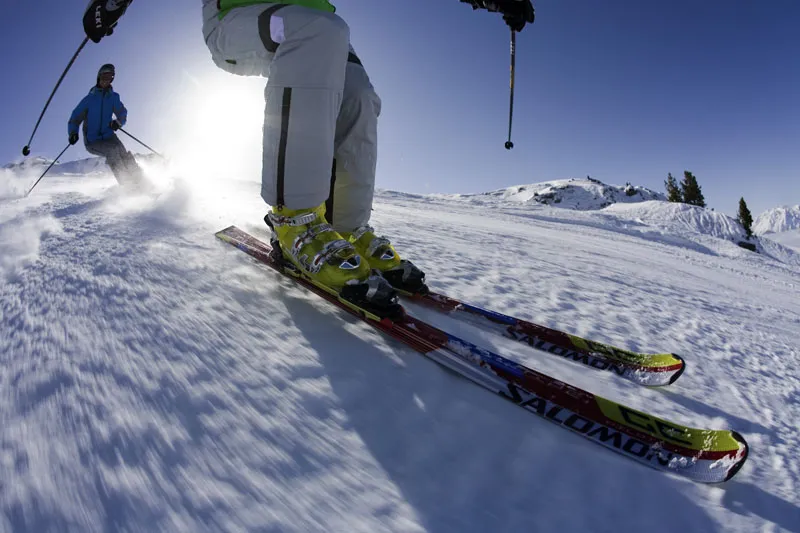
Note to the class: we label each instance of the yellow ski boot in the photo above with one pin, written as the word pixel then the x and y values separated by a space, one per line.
pixel 381 255
pixel 314 248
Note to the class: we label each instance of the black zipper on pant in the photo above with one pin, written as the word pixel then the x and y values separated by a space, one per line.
pixel 286 105
pixel 329 202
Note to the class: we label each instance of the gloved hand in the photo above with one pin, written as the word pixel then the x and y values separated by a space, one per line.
pixel 516 13
pixel 102 16
pixel 73 138
pixel 115 125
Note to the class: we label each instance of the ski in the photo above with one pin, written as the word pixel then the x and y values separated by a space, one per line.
pixel 649 369
pixel 703 455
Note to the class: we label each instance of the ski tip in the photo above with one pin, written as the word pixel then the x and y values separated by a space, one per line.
pixel 677 374
pixel 745 450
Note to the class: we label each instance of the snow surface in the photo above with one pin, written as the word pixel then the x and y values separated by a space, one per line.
pixel 154 379
pixel 790 239
pixel 777 220
pixel 582 194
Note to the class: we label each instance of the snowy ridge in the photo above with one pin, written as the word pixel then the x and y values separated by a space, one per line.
pixel 698 224
pixel 777 220
pixel 608 206
pixel 34 166
pixel 680 218
pixel 17 177
pixel 90 166
pixel 580 194
pixel 30 163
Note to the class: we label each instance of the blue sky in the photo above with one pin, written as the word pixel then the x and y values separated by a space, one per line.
pixel 622 90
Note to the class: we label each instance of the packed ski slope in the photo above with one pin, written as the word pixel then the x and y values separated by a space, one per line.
pixel 153 378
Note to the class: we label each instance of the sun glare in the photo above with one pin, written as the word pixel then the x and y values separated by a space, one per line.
pixel 220 134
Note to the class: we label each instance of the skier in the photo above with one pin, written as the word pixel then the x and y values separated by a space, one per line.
pixel 97 111
pixel 320 134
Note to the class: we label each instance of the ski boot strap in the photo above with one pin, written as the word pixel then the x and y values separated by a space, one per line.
pixel 299 220
pixel 331 249
pixel 308 236
pixel 375 244
pixel 360 231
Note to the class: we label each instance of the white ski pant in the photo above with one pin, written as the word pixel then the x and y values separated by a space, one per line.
pixel 320 104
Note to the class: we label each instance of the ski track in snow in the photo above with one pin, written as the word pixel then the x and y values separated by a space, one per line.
pixel 155 379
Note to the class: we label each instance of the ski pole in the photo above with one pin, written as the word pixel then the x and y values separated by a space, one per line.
pixel 509 145
pixel 48 169
pixel 140 142
pixel 26 150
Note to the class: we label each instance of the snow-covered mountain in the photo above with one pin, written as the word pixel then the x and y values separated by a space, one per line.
pixel 583 194
pixel 36 165
pixel 777 220
pixel 90 166
pixel 28 164
pixel 17 177
pixel 639 210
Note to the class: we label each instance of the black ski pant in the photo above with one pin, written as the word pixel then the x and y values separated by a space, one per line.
pixel 122 163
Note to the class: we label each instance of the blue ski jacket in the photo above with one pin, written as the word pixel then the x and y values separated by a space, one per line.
pixel 95 112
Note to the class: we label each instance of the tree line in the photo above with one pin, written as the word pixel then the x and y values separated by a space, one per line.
pixel 688 191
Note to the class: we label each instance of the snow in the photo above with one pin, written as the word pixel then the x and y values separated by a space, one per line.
pixel 35 166
pixel 582 194
pixel 777 220
pixel 790 239
pixel 156 379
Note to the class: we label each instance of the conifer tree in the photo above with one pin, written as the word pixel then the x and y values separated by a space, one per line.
pixel 673 191
pixel 745 218
pixel 692 193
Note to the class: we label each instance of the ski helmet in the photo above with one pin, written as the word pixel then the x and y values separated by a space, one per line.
pixel 107 68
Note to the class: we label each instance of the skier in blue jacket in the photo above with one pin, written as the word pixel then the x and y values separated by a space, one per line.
pixel 102 113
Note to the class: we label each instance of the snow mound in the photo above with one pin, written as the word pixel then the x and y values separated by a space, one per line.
pixel 585 194
pixel 697 224
pixel 777 220
pixel 680 218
